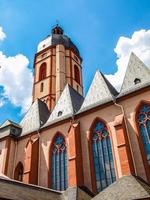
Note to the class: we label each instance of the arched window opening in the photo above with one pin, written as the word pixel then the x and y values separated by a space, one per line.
pixel 76 74
pixel 42 72
pixel 18 174
pixel 143 120
pixel 59 164
pixel 41 87
pixel 102 156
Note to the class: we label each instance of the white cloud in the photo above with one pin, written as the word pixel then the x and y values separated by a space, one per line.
pixel 2 34
pixel 16 79
pixel 139 43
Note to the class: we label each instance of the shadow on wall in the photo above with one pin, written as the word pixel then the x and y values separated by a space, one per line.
pixel 136 151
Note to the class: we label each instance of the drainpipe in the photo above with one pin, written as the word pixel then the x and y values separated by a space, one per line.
pixel 16 148
pixel 39 161
pixel 125 121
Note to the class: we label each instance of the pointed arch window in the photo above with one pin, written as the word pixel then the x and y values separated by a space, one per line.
pixel 102 156
pixel 59 164
pixel 19 170
pixel 143 119
pixel 42 71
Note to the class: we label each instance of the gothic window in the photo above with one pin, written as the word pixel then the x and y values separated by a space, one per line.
pixel 42 72
pixel 18 174
pixel 76 74
pixel 59 164
pixel 143 119
pixel 102 156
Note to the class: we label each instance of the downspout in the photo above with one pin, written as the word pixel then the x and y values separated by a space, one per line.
pixel 16 149
pixel 39 161
pixel 127 130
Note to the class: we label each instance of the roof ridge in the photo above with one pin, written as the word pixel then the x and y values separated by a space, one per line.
pixel 71 89
pixel 70 99
pixel 111 88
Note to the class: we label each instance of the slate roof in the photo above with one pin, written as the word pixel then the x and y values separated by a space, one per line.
pixel 36 116
pixel 10 128
pixel 15 190
pixel 55 39
pixel 78 193
pixel 8 123
pixel 136 71
pixel 126 188
pixel 100 91
pixel 68 104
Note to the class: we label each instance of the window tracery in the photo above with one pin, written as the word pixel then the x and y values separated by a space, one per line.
pixel 102 157
pixel 143 119
pixel 59 164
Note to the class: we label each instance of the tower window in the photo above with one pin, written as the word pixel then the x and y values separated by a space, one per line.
pixel 18 175
pixel 102 156
pixel 41 87
pixel 137 80
pixel 59 164
pixel 42 71
pixel 76 74
pixel 143 120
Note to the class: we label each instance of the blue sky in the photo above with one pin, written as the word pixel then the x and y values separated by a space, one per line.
pixel 94 26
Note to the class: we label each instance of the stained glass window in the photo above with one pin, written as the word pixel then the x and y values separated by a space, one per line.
pixel 102 156
pixel 59 164
pixel 144 127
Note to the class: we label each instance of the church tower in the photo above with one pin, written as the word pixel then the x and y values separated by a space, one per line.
pixel 57 62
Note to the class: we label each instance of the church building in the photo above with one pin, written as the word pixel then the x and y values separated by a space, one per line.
pixel 71 147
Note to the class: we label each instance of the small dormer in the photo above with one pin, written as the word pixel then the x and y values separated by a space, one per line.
pixel 9 128
pixel 137 81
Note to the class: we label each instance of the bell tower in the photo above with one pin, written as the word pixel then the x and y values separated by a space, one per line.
pixel 56 63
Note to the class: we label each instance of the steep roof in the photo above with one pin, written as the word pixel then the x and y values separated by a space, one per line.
pixel 36 116
pixel 100 91
pixel 126 188
pixel 55 39
pixel 137 76
pixel 8 123
pixel 78 193
pixel 10 128
pixel 68 104
pixel 15 190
